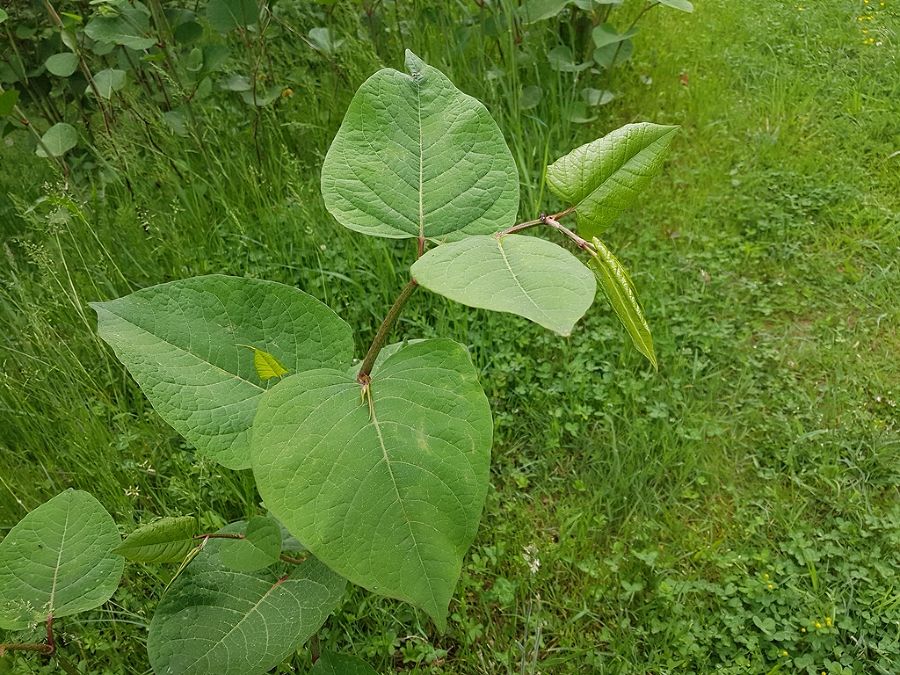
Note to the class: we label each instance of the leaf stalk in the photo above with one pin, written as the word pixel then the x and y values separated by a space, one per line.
pixel 383 330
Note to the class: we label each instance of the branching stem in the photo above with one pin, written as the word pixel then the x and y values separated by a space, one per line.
pixel 383 330
pixel 533 223
pixel 47 648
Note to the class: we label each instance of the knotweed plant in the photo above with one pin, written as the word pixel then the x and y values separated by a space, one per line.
pixel 374 473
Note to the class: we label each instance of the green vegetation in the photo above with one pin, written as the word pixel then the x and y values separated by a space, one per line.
pixel 736 512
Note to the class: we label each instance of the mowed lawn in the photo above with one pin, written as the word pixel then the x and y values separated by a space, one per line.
pixel 735 512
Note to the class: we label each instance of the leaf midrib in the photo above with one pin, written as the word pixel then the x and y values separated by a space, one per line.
pixel 519 284
pixel 62 544
pixel 406 518
pixel 234 376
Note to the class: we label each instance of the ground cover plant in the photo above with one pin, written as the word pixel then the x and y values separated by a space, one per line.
pixel 706 518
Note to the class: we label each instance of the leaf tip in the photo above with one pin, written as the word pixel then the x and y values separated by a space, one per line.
pixel 414 64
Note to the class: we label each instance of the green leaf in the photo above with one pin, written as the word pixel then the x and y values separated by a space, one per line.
pixel 166 540
pixel 619 289
pixel 386 488
pixel 330 663
pixel 259 548
pixel 267 366
pixel 3 15
pixel 603 178
pixel 608 56
pixel 683 5
pixel 58 139
pixel 8 101
pixel 226 15
pixel 58 561
pixel 605 34
pixel 533 11
pixel 109 81
pixel 129 28
pixel 184 344
pixel 216 621
pixel 417 157
pixel 561 59
pixel 512 273
pixel 62 65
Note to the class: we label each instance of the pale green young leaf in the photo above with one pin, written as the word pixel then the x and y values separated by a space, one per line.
pixel 259 548
pixel 216 621
pixel 513 273
pixel 267 366
pixel 416 157
pixel 3 15
pixel 330 663
pixel 167 540
pixel 58 561
pixel 62 65
pixel 604 177
pixel 58 140
pixel 185 344
pixel 385 488
pixel 620 292
pixel 683 5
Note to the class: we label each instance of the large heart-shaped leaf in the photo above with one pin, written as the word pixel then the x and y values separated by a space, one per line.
pixel 164 540
pixel 58 561
pixel 190 346
pixel 620 292
pixel 523 275
pixel 385 486
pixel 603 178
pixel 216 621
pixel 415 157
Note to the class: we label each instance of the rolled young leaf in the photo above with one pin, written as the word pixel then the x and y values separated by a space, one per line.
pixel 415 157
pixel 604 177
pixel 620 292
pixel 512 273
pixel 216 621
pixel 165 540
pixel 384 485
pixel 58 561
pixel 185 343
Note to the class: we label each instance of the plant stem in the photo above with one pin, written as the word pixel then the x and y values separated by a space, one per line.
pixel 378 342
pixel 314 650
pixel 583 244
pixel 633 24
pixel 220 536
pixel 293 561
pixel 540 221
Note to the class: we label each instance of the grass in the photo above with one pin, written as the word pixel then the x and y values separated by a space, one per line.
pixel 735 513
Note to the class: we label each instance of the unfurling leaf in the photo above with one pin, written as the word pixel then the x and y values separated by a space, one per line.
pixel 58 561
pixel 512 273
pixel 387 489
pixel 622 296
pixel 603 178
pixel 415 157
pixel 166 540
